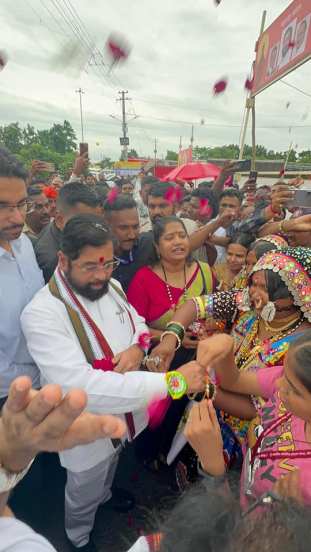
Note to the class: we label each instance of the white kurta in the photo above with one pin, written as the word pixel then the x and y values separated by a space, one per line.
pixel 55 348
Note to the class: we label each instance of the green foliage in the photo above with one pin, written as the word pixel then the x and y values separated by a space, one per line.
pixel 171 155
pixel 106 163
pixel 133 153
pixel 56 144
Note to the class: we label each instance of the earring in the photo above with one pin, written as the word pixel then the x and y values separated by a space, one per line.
pixel 268 312
pixel 245 302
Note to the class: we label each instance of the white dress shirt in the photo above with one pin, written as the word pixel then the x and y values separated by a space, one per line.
pixel 16 536
pixel 55 347
pixel 20 279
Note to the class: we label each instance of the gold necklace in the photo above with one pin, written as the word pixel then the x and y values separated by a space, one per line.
pixel 281 329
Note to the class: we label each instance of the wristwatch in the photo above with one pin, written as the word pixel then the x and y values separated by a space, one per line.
pixel 9 480
pixel 176 384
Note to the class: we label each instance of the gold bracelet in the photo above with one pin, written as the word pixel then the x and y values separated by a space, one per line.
pixel 176 324
pixel 168 332
pixel 281 227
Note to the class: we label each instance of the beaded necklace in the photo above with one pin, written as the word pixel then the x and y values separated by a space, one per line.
pixel 168 288
pixel 251 344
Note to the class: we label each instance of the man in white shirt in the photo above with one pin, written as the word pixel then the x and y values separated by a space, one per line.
pixel 82 332
pixel 20 276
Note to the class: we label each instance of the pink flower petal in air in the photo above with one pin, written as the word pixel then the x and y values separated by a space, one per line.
pixel 113 194
pixel 292 44
pixel 249 83
pixel 157 410
pixel 144 341
pixel 205 208
pixel 220 86
pixel 174 194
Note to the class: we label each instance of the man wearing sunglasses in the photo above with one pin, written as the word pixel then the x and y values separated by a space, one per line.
pixel 82 332
pixel 20 276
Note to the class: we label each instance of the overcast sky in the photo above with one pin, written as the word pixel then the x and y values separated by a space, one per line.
pixel 179 49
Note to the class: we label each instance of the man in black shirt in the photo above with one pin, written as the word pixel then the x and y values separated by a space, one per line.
pixel 131 249
pixel 73 199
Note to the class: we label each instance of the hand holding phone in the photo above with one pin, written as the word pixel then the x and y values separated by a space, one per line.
pixel 242 166
pixel 84 148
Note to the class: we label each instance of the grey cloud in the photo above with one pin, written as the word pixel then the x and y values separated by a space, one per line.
pixel 179 51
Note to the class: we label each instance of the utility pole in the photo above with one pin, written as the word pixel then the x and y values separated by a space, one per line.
pixel 155 151
pixel 124 140
pixel 180 148
pixel 192 137
pixel 80 92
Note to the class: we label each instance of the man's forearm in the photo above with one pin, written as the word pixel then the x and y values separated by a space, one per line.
pixel 199 237
pixel 219 183
pixel 222 241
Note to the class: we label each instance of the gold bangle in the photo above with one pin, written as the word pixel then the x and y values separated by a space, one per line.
pixel 168 332
pixel 281 227
pixel 176 324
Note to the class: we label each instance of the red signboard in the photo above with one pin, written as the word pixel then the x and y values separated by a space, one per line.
pixel 285 45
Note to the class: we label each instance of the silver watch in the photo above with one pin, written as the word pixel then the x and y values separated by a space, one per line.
pixel 9 480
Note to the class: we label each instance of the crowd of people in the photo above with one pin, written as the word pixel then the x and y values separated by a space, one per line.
pixel 176 317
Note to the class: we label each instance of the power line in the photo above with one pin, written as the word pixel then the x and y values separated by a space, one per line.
pixel 295 88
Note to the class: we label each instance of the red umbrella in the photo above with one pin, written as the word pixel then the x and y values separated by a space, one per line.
pixel 193 171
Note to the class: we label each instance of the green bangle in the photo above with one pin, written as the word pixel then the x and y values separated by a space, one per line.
pixel 176 384
pixel 178 330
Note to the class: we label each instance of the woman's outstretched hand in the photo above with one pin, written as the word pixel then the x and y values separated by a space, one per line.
pixel 203 433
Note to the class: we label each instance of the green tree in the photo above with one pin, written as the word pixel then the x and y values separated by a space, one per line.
pixel 30 135
pixel 171 155
pixel 62 138
pixel 106 163
pixel 305 156
pixel 133 153
pixel 12 137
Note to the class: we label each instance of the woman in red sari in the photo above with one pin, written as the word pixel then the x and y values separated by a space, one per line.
pixel 156 292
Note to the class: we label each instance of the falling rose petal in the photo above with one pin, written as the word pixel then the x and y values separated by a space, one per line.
pixel 174 194
pixel 118 48
pixel 144 341
pixel 249 83
pixel 3 59
pixel 205 208
pixel 113 194
pixel 50 192
pixel 220 86
pixel 157 410
pixel 291 44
